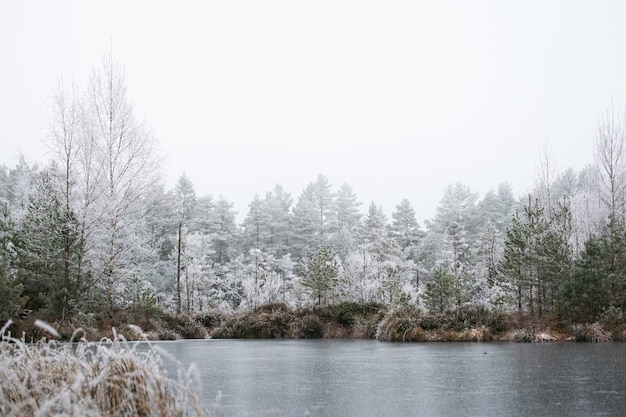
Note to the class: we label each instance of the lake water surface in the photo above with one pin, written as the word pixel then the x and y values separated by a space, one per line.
pixel 368 378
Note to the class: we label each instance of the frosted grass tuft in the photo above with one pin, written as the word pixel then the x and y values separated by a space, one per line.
pixel 47 328
pixel 92 379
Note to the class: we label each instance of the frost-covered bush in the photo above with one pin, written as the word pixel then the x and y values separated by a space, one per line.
pixel 109 378
pixel 401 325
pixel 185 326
pixel 256 325
pixel 593 333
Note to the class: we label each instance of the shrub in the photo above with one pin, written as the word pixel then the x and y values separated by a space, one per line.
pixel 307 327
pixel 430 322
pixel 255 325
pixel 184 325
pixel 520 335
pixel 348 313
pixel 211 319
pixel 400 325
pixel 272 308
pixel 593 333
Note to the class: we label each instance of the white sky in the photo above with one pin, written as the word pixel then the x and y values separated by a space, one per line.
pixel 398 98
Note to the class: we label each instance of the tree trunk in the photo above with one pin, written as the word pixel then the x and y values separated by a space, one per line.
pixel 179 306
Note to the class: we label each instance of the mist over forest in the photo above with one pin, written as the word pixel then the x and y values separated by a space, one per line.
pixel 94 229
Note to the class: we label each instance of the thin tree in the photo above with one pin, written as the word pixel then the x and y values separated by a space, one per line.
pixel 610 158
pixel 65 143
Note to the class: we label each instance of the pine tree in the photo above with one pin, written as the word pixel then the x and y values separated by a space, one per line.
pixel 255 234
pixel 10 288
pixel 224 232
pixel 277 205
pixel 320 274
pixel 347 219
pixel 40 247
pixel 522 261
pixel 404 227
pixel 185 199
pixel 306 224
pixel 587 292
pixel 439 294
pixel 373 230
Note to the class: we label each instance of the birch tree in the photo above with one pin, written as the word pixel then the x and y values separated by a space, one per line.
pixel 610 157
pixel 127 152
pixel 65 143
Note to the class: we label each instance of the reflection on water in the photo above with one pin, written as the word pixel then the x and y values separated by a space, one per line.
pixel 369 378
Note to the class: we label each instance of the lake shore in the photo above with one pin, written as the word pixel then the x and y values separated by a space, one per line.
pixel 346 320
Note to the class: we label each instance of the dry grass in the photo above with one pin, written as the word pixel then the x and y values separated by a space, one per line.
pixel 109 378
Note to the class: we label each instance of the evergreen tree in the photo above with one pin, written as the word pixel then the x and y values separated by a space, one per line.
pixel 224 232
pixel 587 292
pixel 404 227
pixel 615 237
pixel 277 205
pixel 347 218
pixel 185 200
pixel 202 220
pixel 538 243
pixel 40 247
pixel 373 228
pixel 10 288
pixel 522 262
pixel 320 274
pixel 439 294
pixel 306 224
pixel 256 231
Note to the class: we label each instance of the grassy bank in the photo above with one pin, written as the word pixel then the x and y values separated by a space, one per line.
pixel 376 321
pixel 346 320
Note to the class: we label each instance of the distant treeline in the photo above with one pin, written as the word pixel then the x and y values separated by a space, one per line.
pixel 95 230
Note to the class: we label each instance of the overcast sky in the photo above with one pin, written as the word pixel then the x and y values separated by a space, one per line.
pixel 397 98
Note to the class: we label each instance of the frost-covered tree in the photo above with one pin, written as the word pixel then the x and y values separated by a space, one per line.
pixel 65 142
pixel 127 154
pixel 497 207
pixel 457 205
pixel 453 229
pixel 201 222
pixel 256 230
pixel 277 204
pixel 264 279
pixel 224 232
pixel 359 277
pixel 185 199
pixel 488 287
pixel 347 218
pixel 373 230
pixel 307 233
pixel 404 228
pixel 610 158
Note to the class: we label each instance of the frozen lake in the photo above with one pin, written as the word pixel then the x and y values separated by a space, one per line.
pixel 368 378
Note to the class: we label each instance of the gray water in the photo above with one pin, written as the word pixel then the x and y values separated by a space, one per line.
pixel 368 378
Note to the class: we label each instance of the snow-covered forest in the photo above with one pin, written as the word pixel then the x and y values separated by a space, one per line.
pixel 94 229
